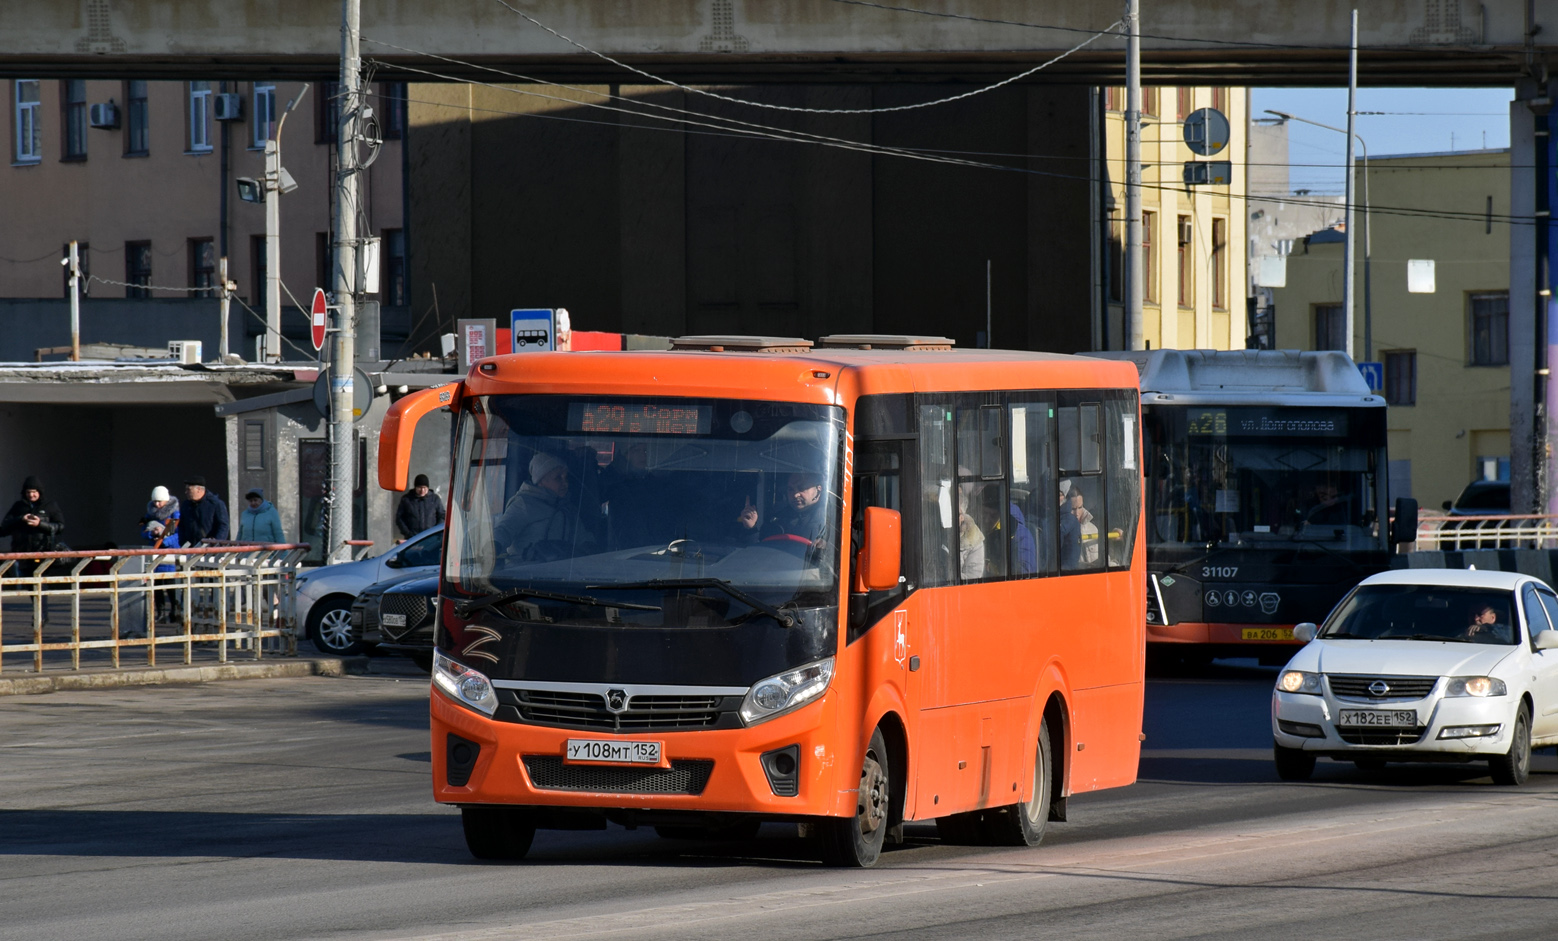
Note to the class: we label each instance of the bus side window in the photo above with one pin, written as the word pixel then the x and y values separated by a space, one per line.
pixel 1124 477
pixel 1032 503
pixel 938 501
pixel 1082 482
pixel 981 491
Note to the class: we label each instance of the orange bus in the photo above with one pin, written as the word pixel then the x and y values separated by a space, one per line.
pixel 849 585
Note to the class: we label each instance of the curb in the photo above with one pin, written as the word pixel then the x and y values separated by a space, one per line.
pixel 35 683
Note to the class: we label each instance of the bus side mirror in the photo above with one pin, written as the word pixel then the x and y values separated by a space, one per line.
pixel 1403 529
pixel 400 428
pixel 1305 632
pixel 877 567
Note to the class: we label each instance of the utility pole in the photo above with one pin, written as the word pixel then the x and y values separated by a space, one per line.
pixel 1350 234
pixel 1134 267
pixel 75 300
pixel 338 522
pixel 273 249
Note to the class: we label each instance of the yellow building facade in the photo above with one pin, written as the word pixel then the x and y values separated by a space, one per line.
pixel 1445 351
pixel 1193 237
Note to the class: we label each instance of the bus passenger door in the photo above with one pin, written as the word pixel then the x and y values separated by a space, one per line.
pixel 881 620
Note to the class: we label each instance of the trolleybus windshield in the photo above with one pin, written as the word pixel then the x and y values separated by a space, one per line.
pixel 629 511
pixel 1226 475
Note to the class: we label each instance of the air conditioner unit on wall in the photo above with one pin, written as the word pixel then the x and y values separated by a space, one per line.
pixel 227 106
pixel 186 352
pixel 1186 230
pixel 105 115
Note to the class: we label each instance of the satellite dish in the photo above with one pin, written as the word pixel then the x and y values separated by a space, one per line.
pixel 1206 131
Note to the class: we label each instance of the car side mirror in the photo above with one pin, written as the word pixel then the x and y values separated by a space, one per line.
pixel 1305 632
pixel 1403 529
pixel 1546 640
pixel 1448 505
pixel 877 566
pixel 394 561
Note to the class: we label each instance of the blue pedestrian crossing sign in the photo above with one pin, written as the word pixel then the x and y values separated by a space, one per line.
pixel 1374 375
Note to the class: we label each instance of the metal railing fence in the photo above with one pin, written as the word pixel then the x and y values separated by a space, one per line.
pixel 234 597
pixel 1461 533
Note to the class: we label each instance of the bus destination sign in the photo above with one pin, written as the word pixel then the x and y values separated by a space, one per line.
pixel 1261 422
pixel 637 418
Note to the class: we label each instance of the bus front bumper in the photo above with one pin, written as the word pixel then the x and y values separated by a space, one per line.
pixel 703 771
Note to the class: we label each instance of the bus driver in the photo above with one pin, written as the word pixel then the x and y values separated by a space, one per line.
pixel 802 512
pixel 537 526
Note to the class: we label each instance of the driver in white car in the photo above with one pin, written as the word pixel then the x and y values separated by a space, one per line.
pixel 1485 627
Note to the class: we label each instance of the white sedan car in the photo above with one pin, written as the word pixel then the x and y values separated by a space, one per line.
pixel 325 594
pixel 1424 665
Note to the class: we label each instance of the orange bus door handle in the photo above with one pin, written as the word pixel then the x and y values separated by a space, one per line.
pixel 914 664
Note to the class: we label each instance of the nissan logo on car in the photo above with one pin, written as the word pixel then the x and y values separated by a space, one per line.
pixel 1379 688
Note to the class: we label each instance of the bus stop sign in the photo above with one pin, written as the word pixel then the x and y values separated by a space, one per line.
pixel 317 319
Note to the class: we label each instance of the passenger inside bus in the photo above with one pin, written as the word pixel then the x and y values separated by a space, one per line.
pixel 540 523
pixel 1012 526
pixel 1070 531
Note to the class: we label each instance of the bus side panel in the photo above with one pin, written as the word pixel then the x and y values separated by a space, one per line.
pixel 1107 722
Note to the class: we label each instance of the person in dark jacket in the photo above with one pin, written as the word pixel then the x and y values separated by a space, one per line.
pixel 34 524
pixel 420 509
pixel 202 515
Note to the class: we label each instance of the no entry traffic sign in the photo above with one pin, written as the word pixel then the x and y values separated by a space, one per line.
pixel 317 321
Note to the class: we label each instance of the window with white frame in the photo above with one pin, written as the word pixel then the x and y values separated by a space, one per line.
pixel 199 117
pixel 29 138
pixel 263 114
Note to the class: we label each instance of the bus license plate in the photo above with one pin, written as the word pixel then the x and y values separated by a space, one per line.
pixel 617 753
pixel 1394 718
pixel 1267 633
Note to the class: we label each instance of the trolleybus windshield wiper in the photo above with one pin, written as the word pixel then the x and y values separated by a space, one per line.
pixel 466 608
pixel 784 618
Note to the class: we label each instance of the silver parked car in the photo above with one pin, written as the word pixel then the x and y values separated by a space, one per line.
pixel 325 594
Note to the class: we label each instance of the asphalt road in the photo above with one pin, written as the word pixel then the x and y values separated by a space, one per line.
pixel 284 809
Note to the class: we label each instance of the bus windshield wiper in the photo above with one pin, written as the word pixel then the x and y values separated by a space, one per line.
pixel 784 618
pixel 466 608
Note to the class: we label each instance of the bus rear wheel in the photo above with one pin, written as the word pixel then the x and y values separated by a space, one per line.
pixel 1023 824
pixel 497 833
pixel 856 842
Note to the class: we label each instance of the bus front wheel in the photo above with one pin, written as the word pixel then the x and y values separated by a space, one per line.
pixel 856 842
pixel 498 833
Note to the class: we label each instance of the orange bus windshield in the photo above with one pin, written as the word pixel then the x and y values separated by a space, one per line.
pixel 637 513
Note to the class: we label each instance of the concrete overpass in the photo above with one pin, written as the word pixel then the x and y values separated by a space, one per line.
pixel 1430 42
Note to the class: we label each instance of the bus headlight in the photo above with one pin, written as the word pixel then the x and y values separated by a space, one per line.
pixel 1297 681
pixel 1475 686
pixel 786 691
pixel 462 684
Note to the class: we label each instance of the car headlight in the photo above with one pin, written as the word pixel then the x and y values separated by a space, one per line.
pixel 786 691
pixel 462 684
pixel 1475 686
pixel 1297 681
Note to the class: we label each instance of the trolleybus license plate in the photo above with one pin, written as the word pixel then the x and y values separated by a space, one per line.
pixel 623 753
pixel 1393 718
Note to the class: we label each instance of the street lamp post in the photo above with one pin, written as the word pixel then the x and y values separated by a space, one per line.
pixel 268 191
pixel 1368 315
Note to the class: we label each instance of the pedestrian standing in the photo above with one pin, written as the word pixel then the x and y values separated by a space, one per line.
pixel 260 522
pixel 34 524
pixel 160 529
pixel 421 508
pixel 203 515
